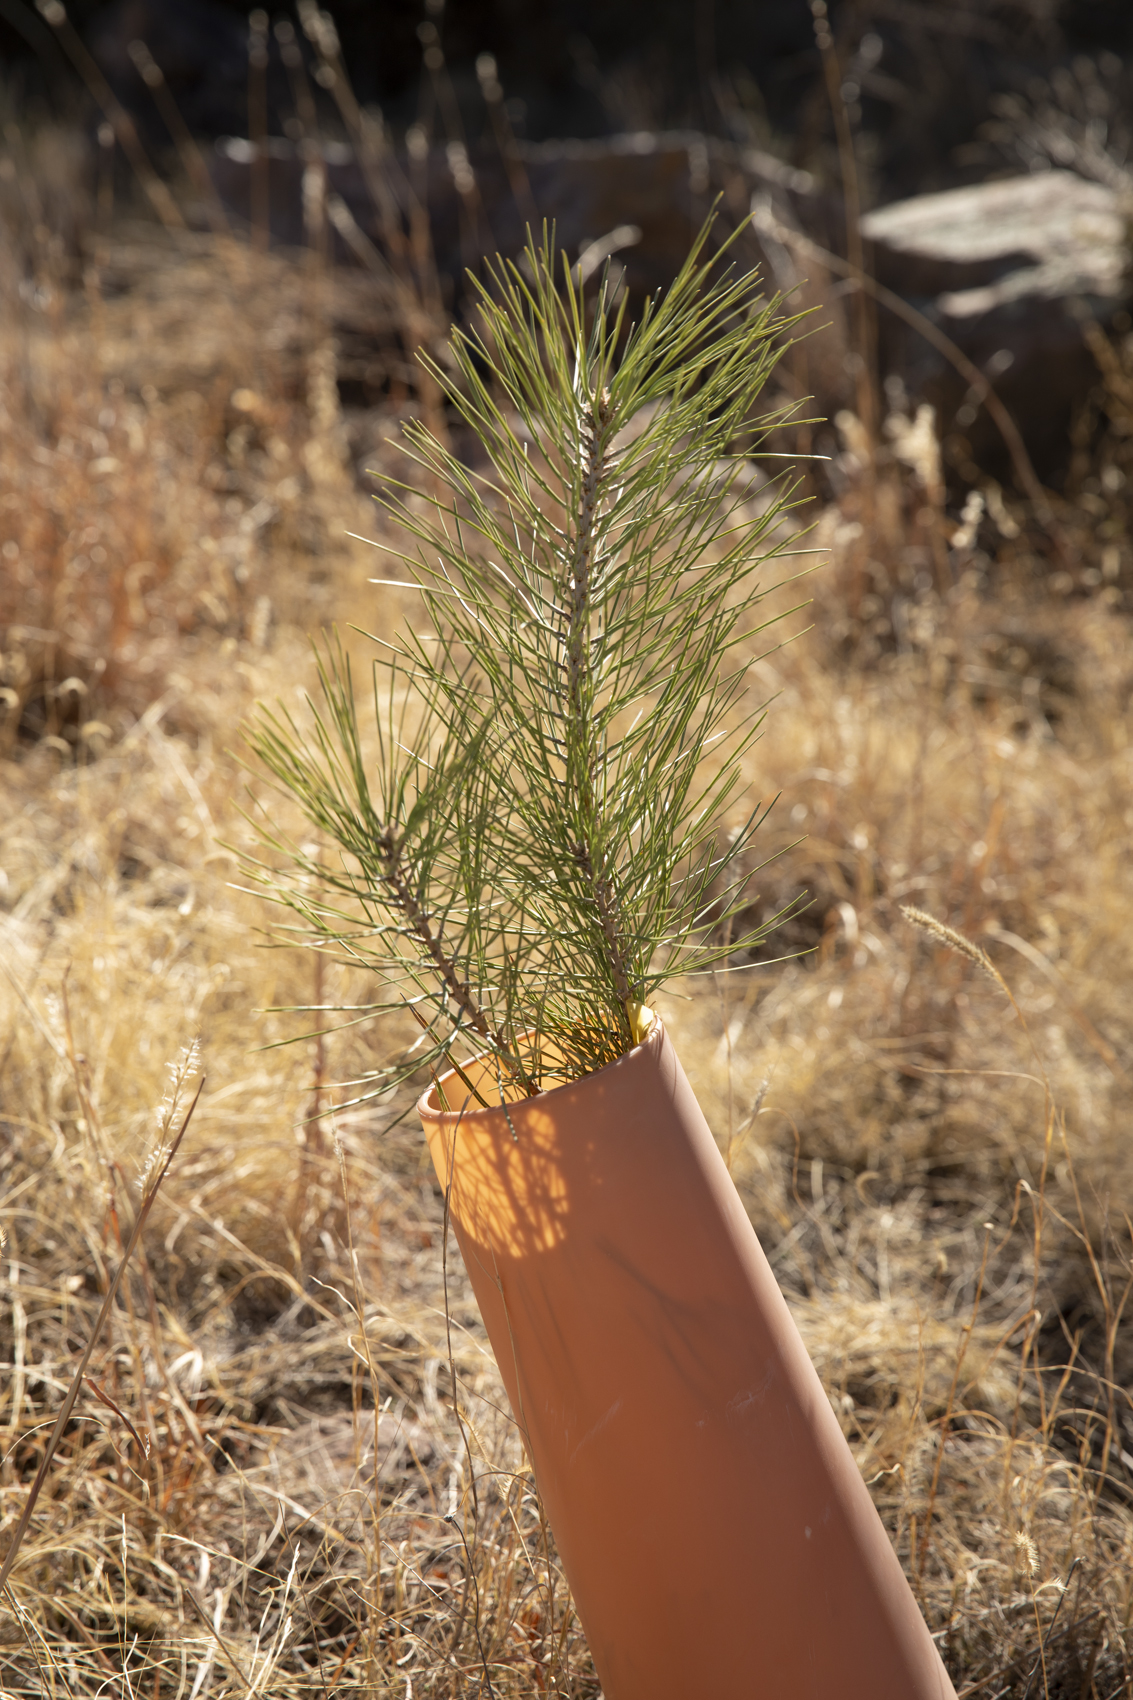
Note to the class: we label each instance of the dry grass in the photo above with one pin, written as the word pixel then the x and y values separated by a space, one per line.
pixel 940 1178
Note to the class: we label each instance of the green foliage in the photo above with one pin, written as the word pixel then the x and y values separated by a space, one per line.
pixel 536 845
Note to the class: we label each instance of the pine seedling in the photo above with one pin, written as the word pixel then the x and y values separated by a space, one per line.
pixel 536 844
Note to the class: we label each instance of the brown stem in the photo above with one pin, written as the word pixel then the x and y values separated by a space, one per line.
pixel 851 198
pixel 259 180
pixel 459 990
pixel 764 219
pixel 607 905
pixel 72 1393
pixel 119 119
pixel 580 747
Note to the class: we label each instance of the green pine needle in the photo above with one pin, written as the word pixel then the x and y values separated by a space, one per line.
pixel 535 848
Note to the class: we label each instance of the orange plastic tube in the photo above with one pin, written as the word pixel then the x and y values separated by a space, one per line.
pixel 714 1528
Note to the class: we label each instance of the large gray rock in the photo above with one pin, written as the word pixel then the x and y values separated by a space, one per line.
pixel 637 199
pixel 644 195
pixel 1051 233
pixel 1007 270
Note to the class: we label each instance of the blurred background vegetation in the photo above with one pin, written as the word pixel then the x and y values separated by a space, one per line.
pixel 579 68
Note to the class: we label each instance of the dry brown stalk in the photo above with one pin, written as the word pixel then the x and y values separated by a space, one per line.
pixel 68 1405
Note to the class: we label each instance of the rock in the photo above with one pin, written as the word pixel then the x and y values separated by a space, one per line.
pixel 661 184
pixel 230 167
pixel 1007 270
pixel 1052 233
pixel 639 197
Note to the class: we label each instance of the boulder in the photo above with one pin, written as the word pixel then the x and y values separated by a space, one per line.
pixel 638 199
pixel 640 196
pixel 1007 270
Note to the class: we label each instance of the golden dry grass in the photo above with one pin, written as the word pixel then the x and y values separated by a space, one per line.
pixel 941 1179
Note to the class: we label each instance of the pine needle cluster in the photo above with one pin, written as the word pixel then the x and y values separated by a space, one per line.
pixel 537 844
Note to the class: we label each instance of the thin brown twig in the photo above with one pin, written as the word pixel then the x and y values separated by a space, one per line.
pixel 978 381
pixel 259 182
pixel 360 1312
pixel 965 1342
pixel 68 1404
pixel 851 197
pixel 188 147
pixel 458 1627
pixel 119 119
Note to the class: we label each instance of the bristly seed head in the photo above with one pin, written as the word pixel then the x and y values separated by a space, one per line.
pixel 949 936
pixel 1028 1551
